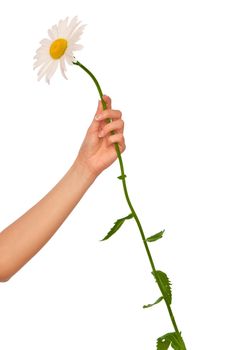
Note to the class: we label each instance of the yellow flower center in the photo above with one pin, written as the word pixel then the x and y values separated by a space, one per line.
pixel 58 48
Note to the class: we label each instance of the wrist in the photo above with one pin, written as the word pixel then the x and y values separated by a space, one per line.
pixel 81 167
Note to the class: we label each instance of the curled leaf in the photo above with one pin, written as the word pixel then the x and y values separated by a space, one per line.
pixel 156 302
pixel 117 226
pixel 163 344
pixel 155 237
pixel 174 339
pixel 165 284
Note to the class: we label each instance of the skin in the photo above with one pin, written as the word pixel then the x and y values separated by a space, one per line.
pixel 22 239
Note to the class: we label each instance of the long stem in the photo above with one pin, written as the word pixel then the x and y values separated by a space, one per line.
pixel 123 178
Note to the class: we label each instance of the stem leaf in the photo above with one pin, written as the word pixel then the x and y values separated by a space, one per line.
pixel 121 177
pixel 117 226
pixel 163 344
pixel 163 280
pixel 156 302
pixel 155 237
pixel 174 339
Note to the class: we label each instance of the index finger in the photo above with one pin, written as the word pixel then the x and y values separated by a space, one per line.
pixel 107 100
pixel 109 114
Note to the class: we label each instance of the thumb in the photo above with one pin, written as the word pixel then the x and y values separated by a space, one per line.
pixel 107 100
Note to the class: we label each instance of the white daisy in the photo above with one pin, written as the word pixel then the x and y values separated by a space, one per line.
pixel 58 48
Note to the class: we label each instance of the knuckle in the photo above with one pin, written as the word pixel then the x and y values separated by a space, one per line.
pixel 117 124
pixel 106 112
pixel 110 140
pixel 119 113
pixel 122 146
pixel 120 138
pixel 107 128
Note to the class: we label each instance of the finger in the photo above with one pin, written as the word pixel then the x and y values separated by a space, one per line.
pixel 117 138
pixel 116 125
pixel 107 100
pixel 99 108
pixel 109 114
pixel 95 125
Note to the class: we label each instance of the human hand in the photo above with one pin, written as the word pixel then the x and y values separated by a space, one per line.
pixel 97 151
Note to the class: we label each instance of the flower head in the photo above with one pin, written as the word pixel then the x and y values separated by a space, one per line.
pixel 58 48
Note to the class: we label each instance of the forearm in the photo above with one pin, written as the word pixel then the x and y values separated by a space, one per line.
pixel 20 241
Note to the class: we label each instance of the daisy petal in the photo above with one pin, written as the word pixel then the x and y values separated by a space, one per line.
pixel 44 69
pixel 54 30
pixel 62 67
pixel 42 54
pixel 73 22
pixel 42 50
pixel 60 28
pixel 45 42
pixel 65 27
pixel 77 34
pixel 69 59
pixel 76 47
pixel 72 26
pixel 51 34
pixel 40 61
pixel 51 71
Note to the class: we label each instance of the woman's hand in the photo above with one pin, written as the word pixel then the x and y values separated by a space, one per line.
pixel 97 151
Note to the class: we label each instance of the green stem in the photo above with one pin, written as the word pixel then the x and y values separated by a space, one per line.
pixel 128 199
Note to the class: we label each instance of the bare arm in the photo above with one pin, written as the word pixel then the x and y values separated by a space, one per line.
pixel 21 240
pixel 28 234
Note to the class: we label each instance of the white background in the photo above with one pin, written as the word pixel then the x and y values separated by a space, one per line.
pixel 167 66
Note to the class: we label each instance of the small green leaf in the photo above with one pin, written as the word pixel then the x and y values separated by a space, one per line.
pixel 122 177
pixel 173 339
pixel 117 226
pixel 155 237
pixel 165 284
pixel 163 344
pixel 156 302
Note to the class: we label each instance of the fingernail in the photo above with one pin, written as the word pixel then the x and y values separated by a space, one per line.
pixel 100 134
pixel 97 117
